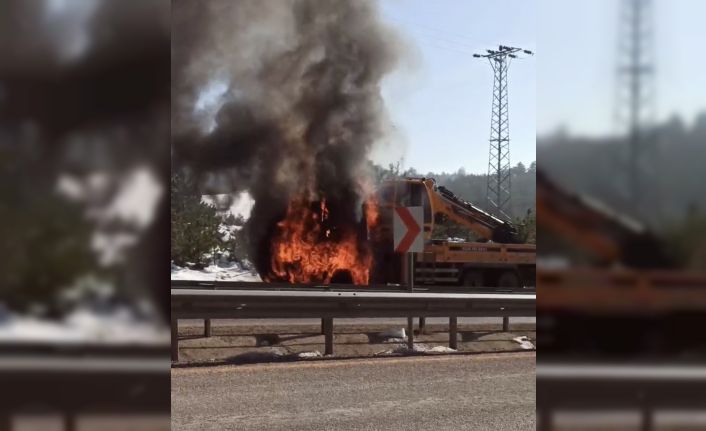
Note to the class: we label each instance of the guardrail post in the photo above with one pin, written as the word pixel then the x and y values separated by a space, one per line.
pixel 422 324
pixel 5 421
pixel 207 327
pixel 545 419
pixel 453 333
pixel 69 421
pixel 327 324
pixel 647 419
pixel 410 333
pixel 175 340
pixel 506 324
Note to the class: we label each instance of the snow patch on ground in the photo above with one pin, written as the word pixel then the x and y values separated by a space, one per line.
pixel 225 271
pixel 309 355
pixel 394 335
pixel 418 348
pixel 524 342
pixel 276 354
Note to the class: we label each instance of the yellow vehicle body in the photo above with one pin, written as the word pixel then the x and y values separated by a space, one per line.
pixel 496 259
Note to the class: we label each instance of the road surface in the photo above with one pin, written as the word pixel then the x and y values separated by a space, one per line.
pixel 483 392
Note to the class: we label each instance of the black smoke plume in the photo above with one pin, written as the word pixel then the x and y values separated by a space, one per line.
pixel 300 106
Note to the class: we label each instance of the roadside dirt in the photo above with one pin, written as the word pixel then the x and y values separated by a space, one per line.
pixel 273 342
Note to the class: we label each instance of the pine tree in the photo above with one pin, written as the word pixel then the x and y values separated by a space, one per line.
pixel 45 243
pixel 194 223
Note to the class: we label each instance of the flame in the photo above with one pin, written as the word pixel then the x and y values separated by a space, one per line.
pixel 307 249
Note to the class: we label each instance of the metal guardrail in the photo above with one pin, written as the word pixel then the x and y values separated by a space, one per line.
pixel 95 381
pixel 233 304
pixel 618 387
pixel 274 301
pixel 249 285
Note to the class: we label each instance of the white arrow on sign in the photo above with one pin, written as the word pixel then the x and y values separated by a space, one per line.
pixel 407 225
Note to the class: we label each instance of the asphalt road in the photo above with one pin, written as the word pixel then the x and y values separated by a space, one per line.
pixel 483 392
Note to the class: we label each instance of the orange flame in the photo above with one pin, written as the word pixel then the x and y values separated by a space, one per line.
pixel 306 251
pixel 372 211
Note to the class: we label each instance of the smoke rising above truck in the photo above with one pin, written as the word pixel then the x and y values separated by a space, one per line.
pixel 299 111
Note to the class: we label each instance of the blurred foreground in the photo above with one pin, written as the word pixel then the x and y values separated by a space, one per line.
pixel 619 324
pixel 84 157
pixel 621 276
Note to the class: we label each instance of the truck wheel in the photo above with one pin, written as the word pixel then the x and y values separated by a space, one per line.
pixel 509 279
pixel 473 279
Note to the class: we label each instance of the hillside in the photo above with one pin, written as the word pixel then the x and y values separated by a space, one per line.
pixel 472 187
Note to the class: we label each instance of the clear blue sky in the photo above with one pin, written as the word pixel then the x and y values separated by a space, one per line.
pixel 577 69
pixel 440 100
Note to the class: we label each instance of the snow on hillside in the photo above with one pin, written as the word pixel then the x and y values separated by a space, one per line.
pixel 229 271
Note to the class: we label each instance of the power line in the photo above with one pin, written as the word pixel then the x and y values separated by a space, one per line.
pixel 445 33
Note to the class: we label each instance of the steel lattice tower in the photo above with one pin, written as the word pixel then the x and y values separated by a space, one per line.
pixel 499 186
pixel 635 86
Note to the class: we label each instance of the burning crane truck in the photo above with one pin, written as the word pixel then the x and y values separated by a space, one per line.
pixel 497 258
